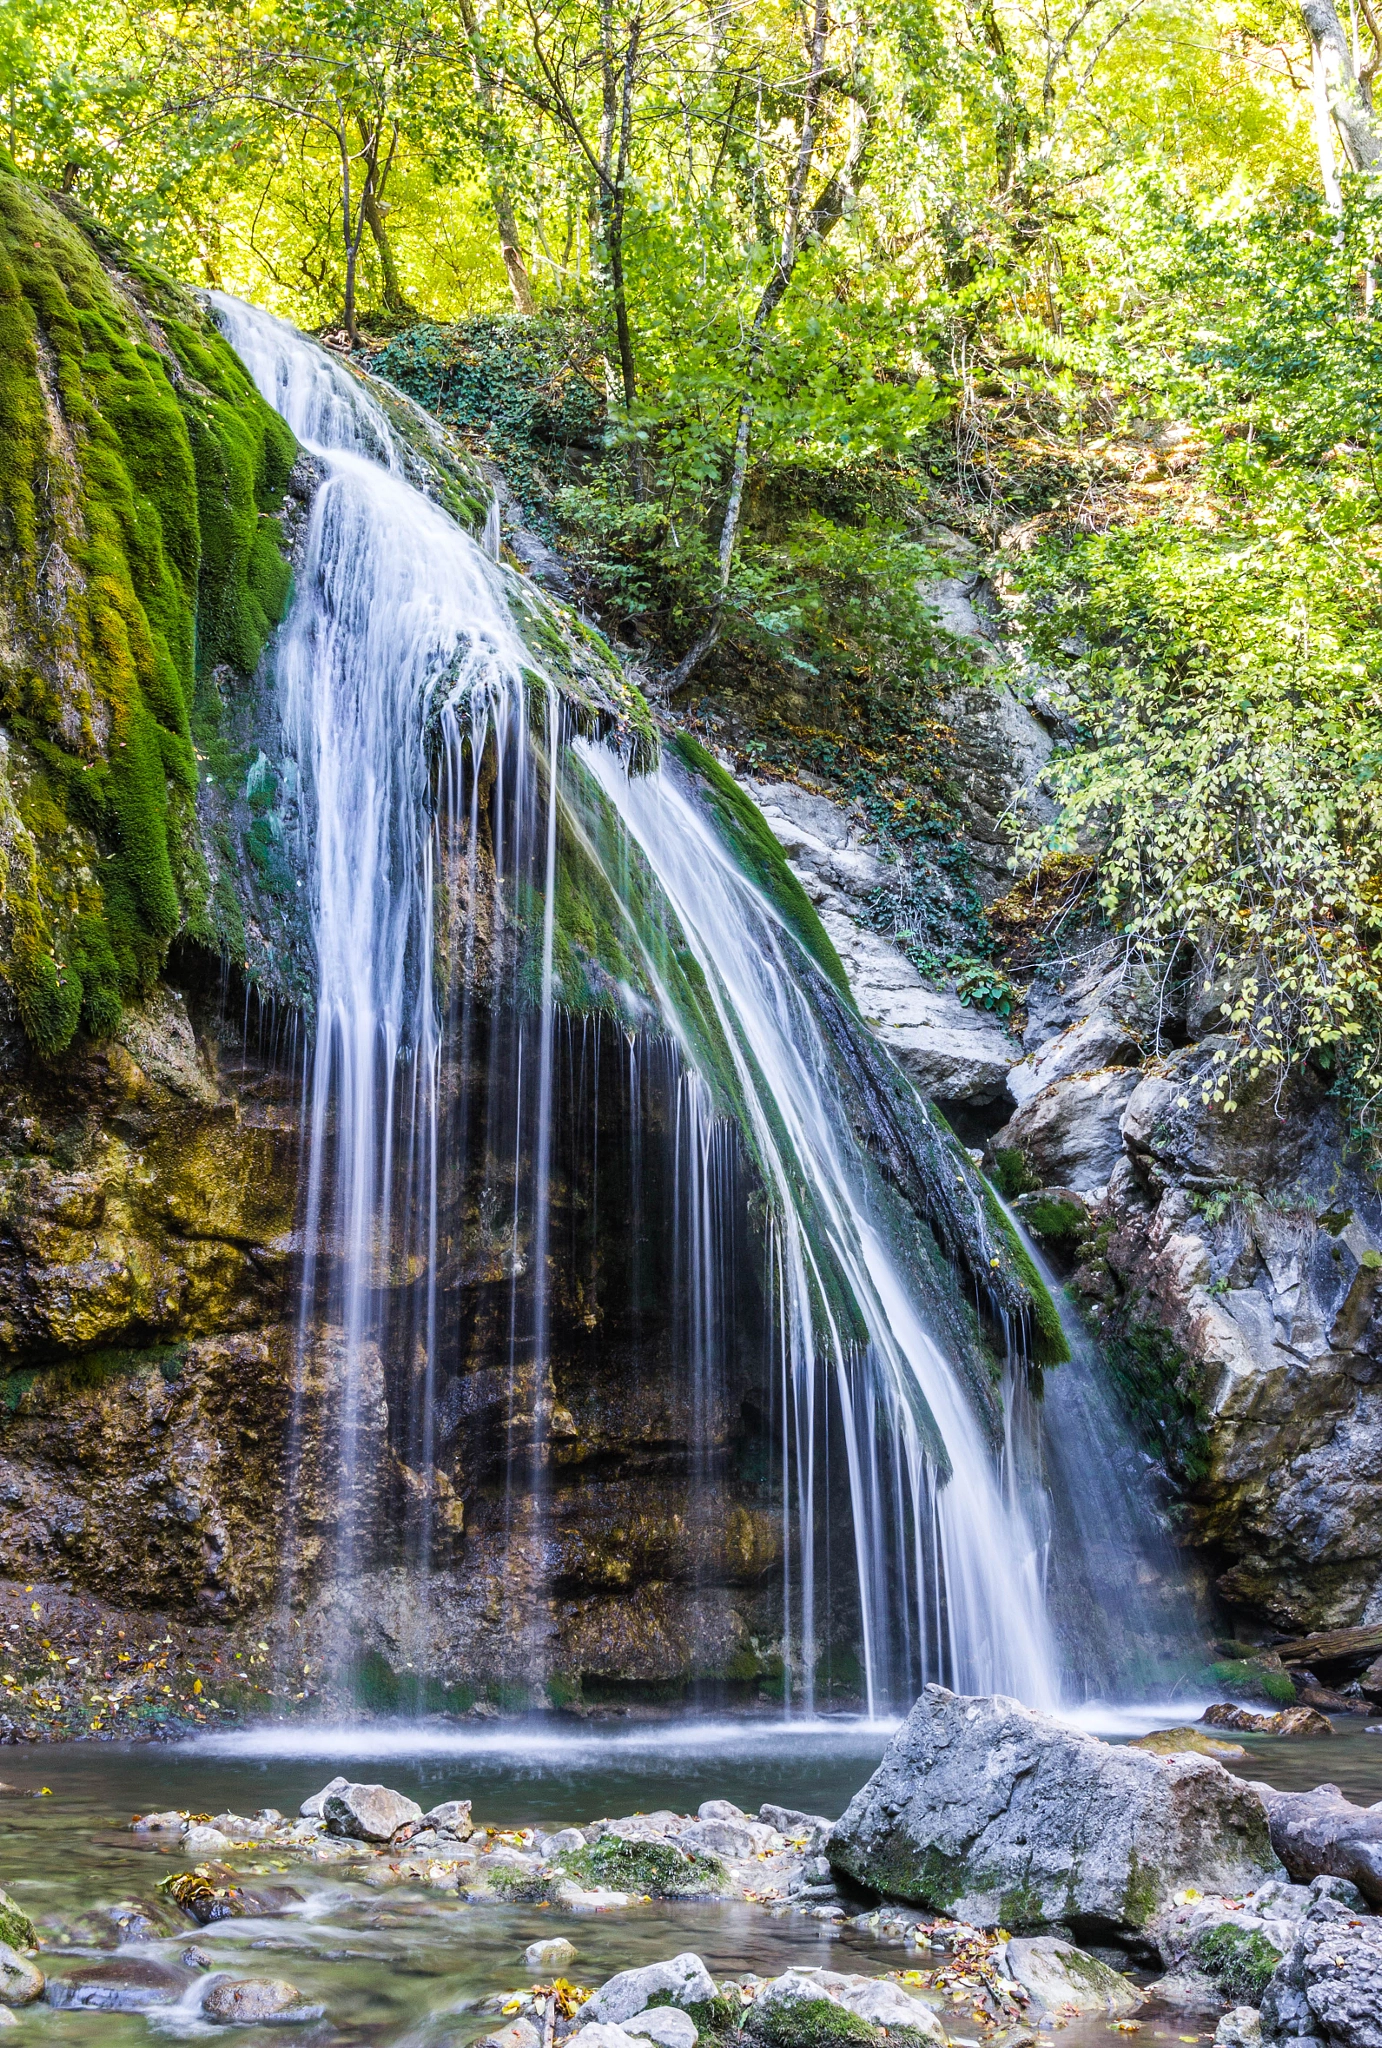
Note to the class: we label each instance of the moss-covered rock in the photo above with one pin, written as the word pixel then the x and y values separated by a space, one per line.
pixel 139 476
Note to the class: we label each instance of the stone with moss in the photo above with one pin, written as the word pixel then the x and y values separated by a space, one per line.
pixel 991 1813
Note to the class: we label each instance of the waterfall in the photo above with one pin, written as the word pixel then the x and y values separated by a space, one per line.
pixel 545 985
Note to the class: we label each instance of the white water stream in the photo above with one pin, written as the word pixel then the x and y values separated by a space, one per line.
pixel 400 625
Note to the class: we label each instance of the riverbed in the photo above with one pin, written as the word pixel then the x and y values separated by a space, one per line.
pixel 403 1967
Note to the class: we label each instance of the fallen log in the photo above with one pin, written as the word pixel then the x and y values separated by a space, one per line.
pixel 1321 1833
pixel 1331 1644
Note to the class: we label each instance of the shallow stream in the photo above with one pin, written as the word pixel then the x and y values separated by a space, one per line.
pixel 403 1967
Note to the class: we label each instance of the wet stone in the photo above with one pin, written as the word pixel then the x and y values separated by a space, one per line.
pixel 368 1813
pixel 124 1984
pixel 665 2024
pixel 555 1955
pixel 254 2001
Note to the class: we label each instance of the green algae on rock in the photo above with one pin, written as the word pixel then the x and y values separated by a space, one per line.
pixel 139 475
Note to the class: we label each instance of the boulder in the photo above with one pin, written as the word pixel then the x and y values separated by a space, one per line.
pixel 311 1809
pixel 665 2024
pixel 1060 1976
pixel 124 1984
pixel 1322 1833
pixel 169 1823
pixel 736 1839
pixel 1290 1720
pixel 257 2001
pixel 1328 1991
pixel 1100 1040
pixel 368 1813
pixel 1166 1742
pixel 544 1956
pixel 517 2034
pixel 20 1982
pixel 452 1817
pixel 1240 2028
pixel 1071 1133
pixel 206 1841
pixel 684 1979
pixel 994 1814
pixel 577 1898
pixel 720 1809
pixel 604 2034
pixel 808 1830
pixel 878 2001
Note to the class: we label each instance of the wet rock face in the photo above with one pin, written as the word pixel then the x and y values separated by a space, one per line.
pixel 147 1188
pixel 1328 1990
pixel 1237 1269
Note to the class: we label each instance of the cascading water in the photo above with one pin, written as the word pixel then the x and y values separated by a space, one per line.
pixel 571 1063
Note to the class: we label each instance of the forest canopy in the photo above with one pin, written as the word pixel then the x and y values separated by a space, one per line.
pixel 1095 281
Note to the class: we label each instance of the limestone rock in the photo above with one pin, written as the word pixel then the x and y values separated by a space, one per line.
pixel 311 1809
pixel 451 1817
pixel 15 1925
pixel 549 1956
pixel 1328 1990
pixel 1166 1742
pixel 1239 2028
pixel 879 2001
pixel 170 1823
pixel 1057 1975
pixel 1290 1721
pixel 685 1978
pixel 998 1815
pixel 518 2033
pixel 1097 1041
pixel 1071 1133
pixel 1322 1833
pixel 256 2001
pixel 20 1981
pixel 665 2024
pixel 807 1829
pixel 368 1813
pixel 604 2034
pixel 593 1899
pixel 206 1841
pixel 1242 1255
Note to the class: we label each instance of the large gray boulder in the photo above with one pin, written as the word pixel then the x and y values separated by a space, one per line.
pixel 1328 1991
pixel 1321 1833
pixel 368 1813
pixel 994 1814
pixel 683 1979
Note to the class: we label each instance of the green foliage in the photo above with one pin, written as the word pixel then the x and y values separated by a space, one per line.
pixel 1055 1218
pixel 1241 1961
pixel 1012 1173
pixel 117 458
pixel 986 987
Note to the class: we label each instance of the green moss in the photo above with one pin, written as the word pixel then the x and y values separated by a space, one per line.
pixel 519 1887
pixel 1241 1961
pixel 1161 1398
pixel 1049 1344
pixel 763 860
pixel 656 1870
pixel 809 2023
pixel 1141 1895
pixel 1245 1678
pixel 138 458
pixel 89 1371
pixel 717 2020
pixel 16 1927
pixel 1012 1173
pixel 1060 1221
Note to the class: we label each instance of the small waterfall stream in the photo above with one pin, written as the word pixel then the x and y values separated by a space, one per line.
pixel 456 834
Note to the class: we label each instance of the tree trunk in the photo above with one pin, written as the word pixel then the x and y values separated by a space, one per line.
pixel 828 209
pixel 511 248
pixel 394 301
pixel 1337 93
